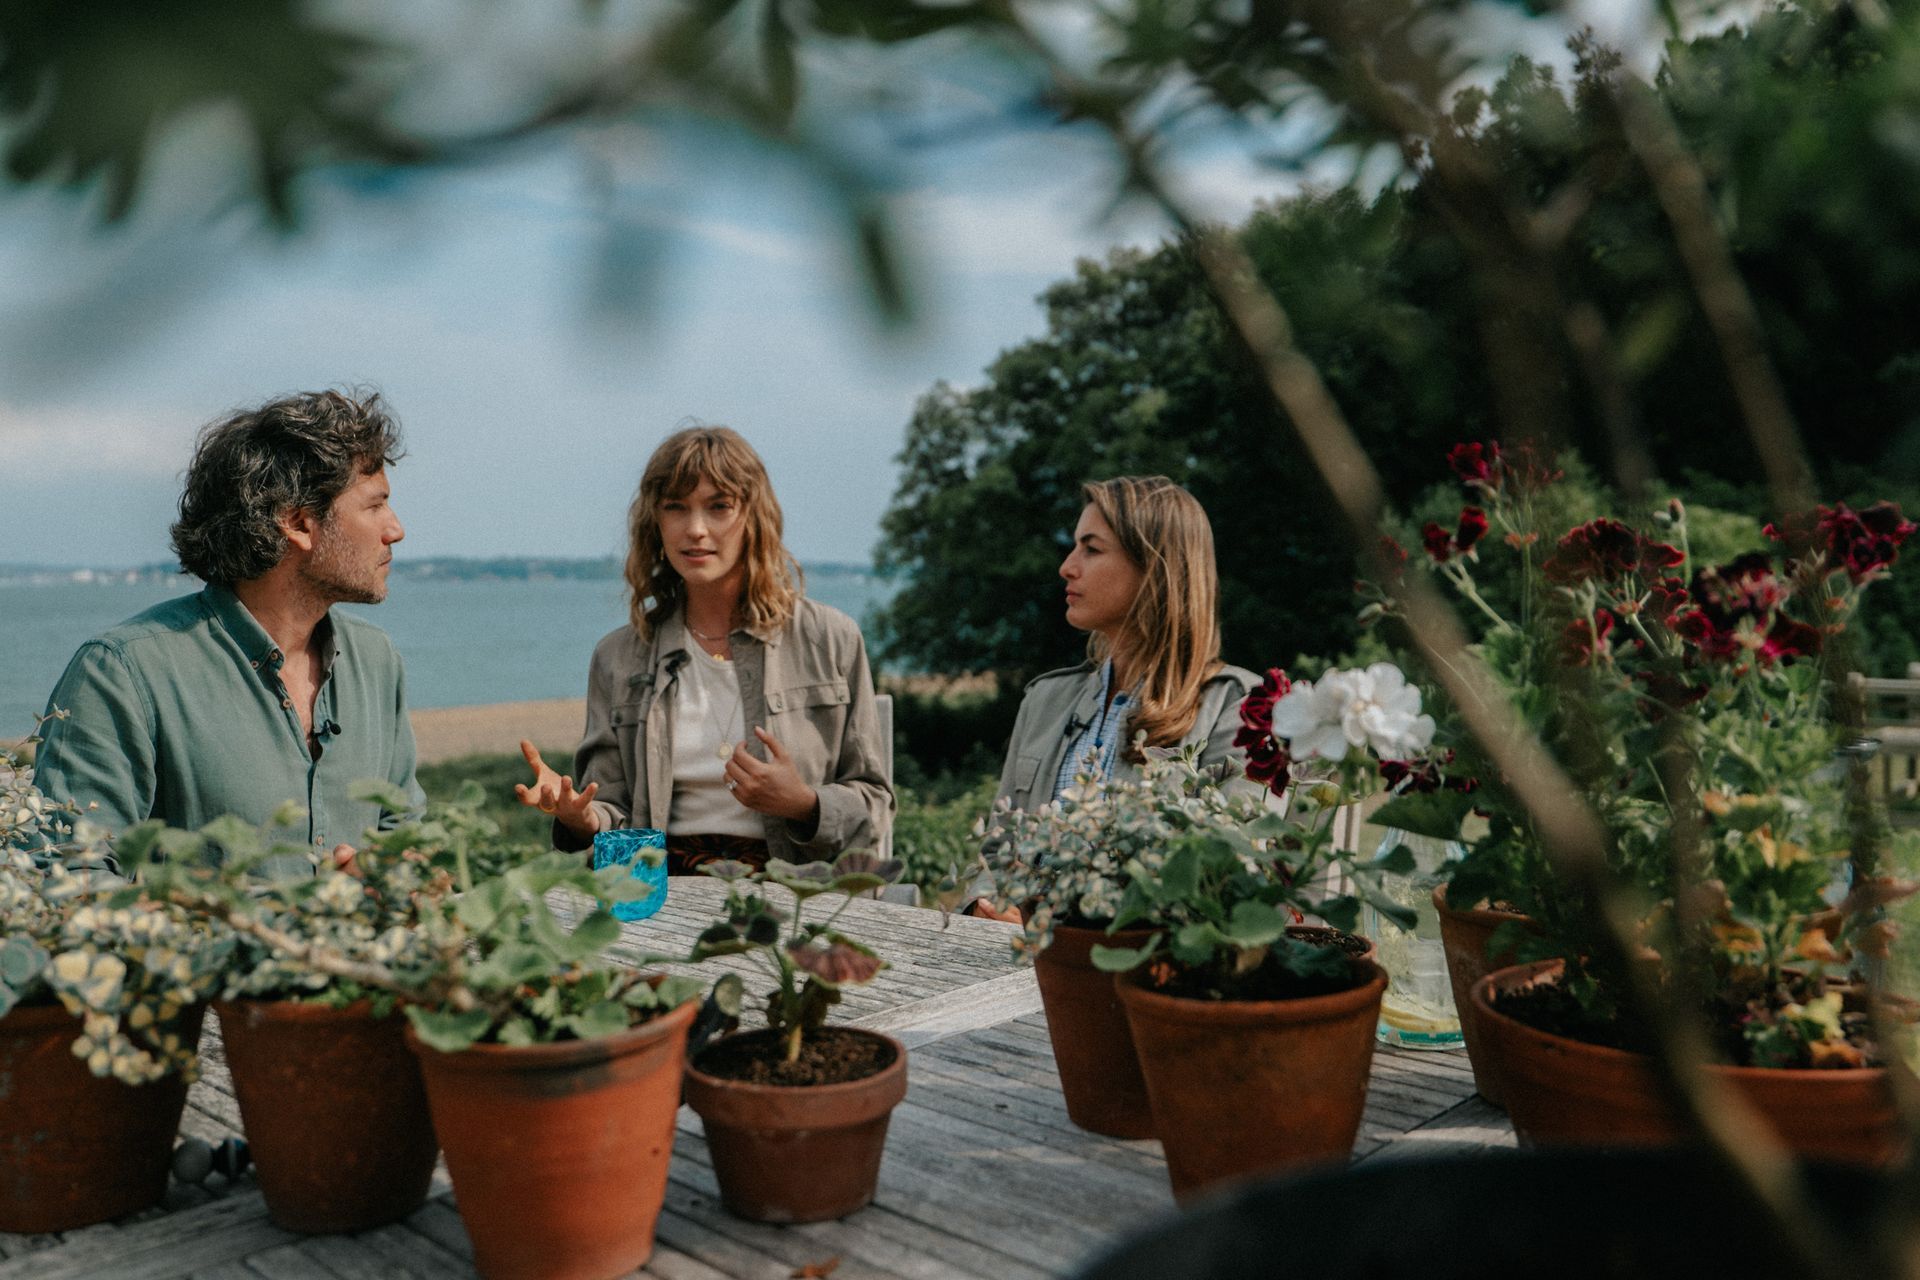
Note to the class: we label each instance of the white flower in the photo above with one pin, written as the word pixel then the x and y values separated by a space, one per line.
pixel 1374 708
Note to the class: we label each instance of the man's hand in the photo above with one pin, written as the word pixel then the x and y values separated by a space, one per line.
pixel 771 786
pixel 983 907
pixel 343 860
pixel 553 793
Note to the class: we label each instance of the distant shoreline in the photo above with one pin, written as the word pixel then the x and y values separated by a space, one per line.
pixel 443 568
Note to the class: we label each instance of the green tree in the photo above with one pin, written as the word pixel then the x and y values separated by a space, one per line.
pixel 1137 374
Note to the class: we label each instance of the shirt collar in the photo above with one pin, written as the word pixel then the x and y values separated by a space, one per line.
pixel 263 654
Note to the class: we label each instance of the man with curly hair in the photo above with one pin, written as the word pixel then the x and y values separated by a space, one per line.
pixel 255 691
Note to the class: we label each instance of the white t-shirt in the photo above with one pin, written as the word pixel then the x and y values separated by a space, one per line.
pixel 707 713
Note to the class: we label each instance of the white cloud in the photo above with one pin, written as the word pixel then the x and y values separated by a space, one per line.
pixel 83 441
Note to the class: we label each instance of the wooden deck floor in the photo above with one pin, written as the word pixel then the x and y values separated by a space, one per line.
pixel 984 1175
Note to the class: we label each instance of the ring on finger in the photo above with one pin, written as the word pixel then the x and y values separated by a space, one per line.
pixel 731 784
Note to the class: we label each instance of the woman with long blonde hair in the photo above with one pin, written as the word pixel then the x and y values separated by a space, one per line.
pixel 1141 582
pixel 730 711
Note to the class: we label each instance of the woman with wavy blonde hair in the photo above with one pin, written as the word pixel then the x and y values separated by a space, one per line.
pixel 1141 582
pixel 731 712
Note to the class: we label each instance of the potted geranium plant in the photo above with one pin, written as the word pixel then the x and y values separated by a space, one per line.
pixel 1254 1030
pixel 331 1098
pixel 796 1114
pixel 550 1072
pixel 1068 872
pixel 93 1091
pixel 1693 706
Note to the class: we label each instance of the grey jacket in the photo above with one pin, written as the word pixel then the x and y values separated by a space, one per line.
pixel 808 685
pixel 1059 702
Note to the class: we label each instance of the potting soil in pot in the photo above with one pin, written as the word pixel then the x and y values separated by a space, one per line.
pixel 827 1056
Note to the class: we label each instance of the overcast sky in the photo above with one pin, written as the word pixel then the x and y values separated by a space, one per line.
pixel 474 299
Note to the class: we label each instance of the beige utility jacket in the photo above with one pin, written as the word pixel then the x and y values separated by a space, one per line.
pixel 808 685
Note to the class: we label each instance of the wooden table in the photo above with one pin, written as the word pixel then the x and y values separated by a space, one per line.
pixel 984 1176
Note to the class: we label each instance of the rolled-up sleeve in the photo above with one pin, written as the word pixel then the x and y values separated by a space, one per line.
pixel 856 802
pixel 100 755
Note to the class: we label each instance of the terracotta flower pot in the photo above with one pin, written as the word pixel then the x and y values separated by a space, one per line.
pixel 1464 936
pixel 1248 1087
pixel 797 1153
pixel 558 1152
pixel 335 1112
pixel 1566 1092
pixel 76 1149
pixel 1092 1046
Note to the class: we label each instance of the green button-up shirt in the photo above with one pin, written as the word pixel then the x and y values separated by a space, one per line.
pixel 179 713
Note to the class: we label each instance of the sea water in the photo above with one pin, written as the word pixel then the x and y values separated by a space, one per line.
pixel 465 641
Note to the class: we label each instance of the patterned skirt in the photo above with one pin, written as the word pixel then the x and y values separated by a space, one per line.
pixel 686 853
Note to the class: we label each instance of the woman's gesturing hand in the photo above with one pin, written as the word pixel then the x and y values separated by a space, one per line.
pixel 553 793
pixel 771 785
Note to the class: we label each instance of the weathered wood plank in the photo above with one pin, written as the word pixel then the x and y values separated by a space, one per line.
pixel 1474 1125
pixel 286 1262
pixel 877 1233
pixel 439 1222
pixel 225 1271
pixel 386 1253
pixel 222 1231
pixel 981 1005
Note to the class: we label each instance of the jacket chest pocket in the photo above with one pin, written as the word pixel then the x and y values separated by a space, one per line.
pixel 628 720
pixel 810 720
pixel 812 700
pixel 1026 772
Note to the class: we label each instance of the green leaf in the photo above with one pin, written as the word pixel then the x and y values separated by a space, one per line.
pixel 604 1018
pixel 21 960
pixel 1180 878
pixel 1121 959
pixel 449 1032
pixel 511 965
pixel 181 845
pixel 135 846
pixel 482 907
pixel 591 935
pixel 1398 861
pixel 518 1030
pixel 729 994
pixel 381 792
pixel 240 839
pixel 1426 813
pixel 675 990
pixel 1256 924
pixel 1343 912
pixel 1403 916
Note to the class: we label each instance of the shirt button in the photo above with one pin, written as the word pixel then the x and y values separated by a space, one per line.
pixel 286 704
pixel 255 664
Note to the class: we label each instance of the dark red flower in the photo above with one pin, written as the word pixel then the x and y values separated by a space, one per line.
pixel 1606 549
pixel 1267 763
pixel 1256 709
pixel 1864 542
pixel 1667 597
pixel 1787 639
pixel 1438 542
pixel 1473 527
pixel 1477 465
pixel 1597 549
pixel 1736 610
pixel 1584 642
pixel 1404 777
